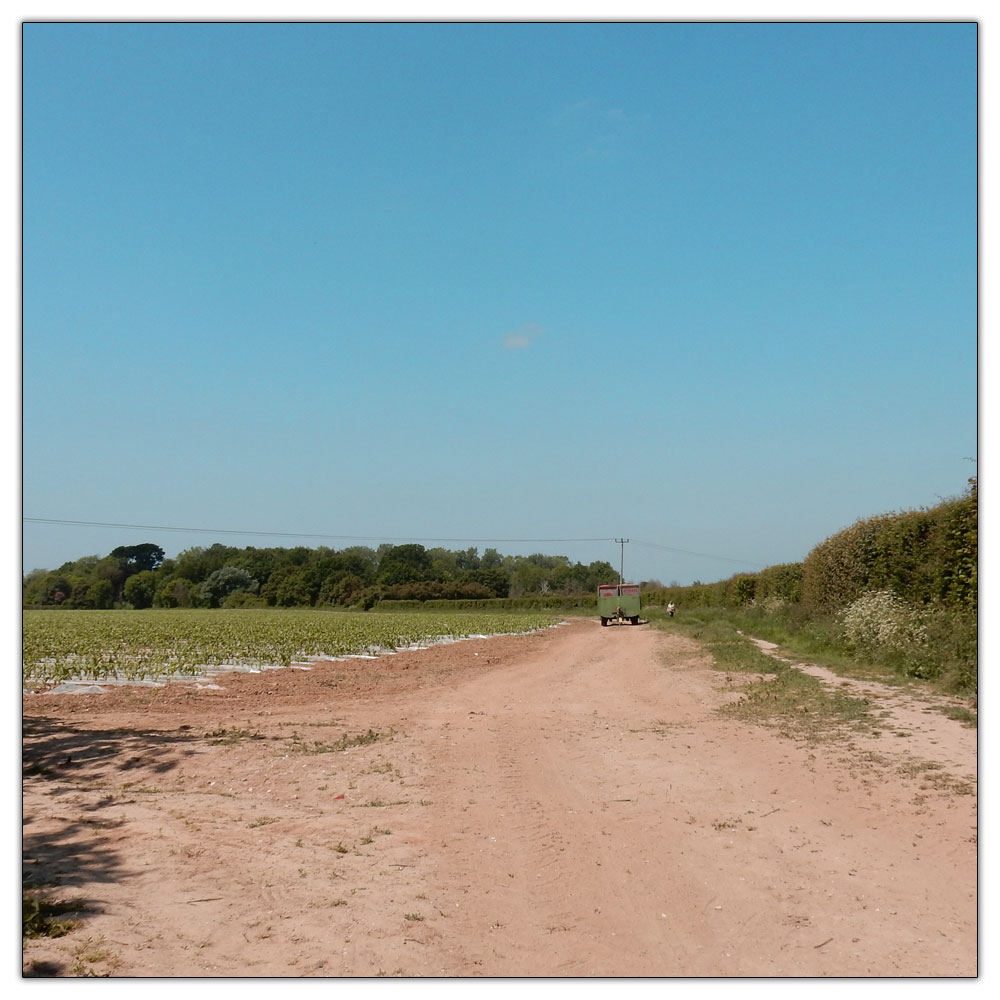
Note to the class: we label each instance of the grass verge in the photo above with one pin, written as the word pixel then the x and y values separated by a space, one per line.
pixel 779 696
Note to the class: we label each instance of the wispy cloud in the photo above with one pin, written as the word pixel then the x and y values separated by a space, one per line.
pixel 597 130
pixel 522 337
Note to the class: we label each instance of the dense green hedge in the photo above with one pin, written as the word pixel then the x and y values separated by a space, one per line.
pixel 696 595
pixel 782 583
pixel 921 556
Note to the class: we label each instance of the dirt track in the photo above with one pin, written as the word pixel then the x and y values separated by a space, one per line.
pixel 563 804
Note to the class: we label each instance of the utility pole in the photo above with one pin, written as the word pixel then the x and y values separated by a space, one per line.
pixel 621 572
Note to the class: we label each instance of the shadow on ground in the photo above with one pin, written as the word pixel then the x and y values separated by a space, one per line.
pixel 78 850
pixel 52 748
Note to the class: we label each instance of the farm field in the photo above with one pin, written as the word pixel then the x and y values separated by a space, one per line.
pixel 147 644
pixel 567 803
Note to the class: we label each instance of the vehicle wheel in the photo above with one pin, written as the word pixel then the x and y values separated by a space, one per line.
pixel 604 622
pixel 634 619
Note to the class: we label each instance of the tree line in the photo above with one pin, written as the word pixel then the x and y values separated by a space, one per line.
pixel 222 576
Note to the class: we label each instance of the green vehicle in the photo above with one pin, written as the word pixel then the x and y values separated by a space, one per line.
pixel 618 603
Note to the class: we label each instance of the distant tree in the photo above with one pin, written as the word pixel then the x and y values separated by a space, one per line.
pixel 197 564
pixel 404 564
pixel 527 578
pixel 189 565
pixel 444 564
pixel 491 560
pixel 178 592
pixel 259 563
pixel 599 572
pixel 59 589
pixel 96 595
pixel 494 580
pixel 298 556
pixel 136 558
pixel 341 590
pixel 287 587
pixel 225 581
pixel 323 571
pixel 469 559
pixel 361 561
pixel 126 561
pixel 84 566
pixel 32 586
pixel 140 589
pixel 546 562
pixel 568 579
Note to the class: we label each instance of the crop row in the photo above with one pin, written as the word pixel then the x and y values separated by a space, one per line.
pixel 135 644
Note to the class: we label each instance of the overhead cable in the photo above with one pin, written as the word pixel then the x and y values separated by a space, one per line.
pixel 375 538
pixel 295 534
pixel 702 555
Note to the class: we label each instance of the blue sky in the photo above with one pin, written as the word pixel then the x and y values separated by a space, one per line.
pixel 706 286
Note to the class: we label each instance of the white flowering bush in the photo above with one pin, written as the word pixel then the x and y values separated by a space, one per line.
pixel 879 620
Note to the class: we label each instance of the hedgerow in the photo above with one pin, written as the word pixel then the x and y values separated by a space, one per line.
pixel 920 556
pixel 900 589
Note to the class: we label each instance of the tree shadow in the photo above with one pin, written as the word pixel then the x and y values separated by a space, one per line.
pixel 52 748
pixel 43 969
pixel 80 851
pixel 77 852
pixel 71 856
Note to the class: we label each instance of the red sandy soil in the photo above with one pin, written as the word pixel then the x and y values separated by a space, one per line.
pixel 568 803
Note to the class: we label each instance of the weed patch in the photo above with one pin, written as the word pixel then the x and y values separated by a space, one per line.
pixel 89 955
pixel 936 779
pixel 43 918
pixel 315 725
pixel 231 737
pixel 785 698
pixel 964 715
pixel 296 744
pixel 263 821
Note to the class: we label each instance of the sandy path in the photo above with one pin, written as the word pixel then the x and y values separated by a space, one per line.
pixel 568 804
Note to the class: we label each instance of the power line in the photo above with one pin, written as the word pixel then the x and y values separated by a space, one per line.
pixel 702 555
pixel 296 534
pixel 376 538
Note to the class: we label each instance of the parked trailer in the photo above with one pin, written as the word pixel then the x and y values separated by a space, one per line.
pixel 618 603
